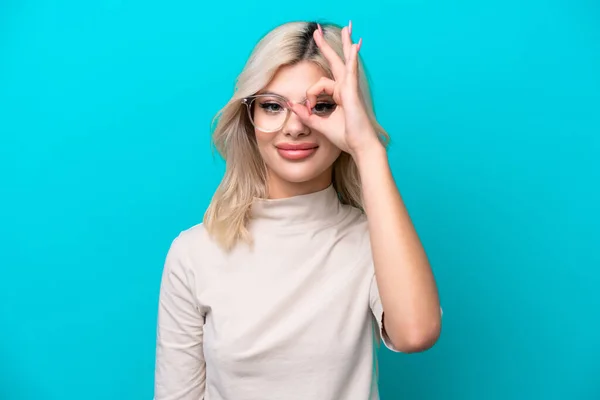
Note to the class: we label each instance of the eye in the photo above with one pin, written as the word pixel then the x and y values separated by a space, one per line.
pixel 324 108
pixel 271 106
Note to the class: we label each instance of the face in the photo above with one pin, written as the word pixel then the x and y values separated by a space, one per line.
pixel 298 159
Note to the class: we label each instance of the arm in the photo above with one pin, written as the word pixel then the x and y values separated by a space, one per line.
pixel 180 369
pixel 411 308
pixel 406 285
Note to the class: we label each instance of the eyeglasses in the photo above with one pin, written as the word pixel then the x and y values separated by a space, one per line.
pixel 270 112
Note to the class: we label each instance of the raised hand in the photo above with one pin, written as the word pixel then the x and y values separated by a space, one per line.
pixel 349 126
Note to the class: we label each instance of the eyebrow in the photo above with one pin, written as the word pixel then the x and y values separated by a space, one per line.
pixel 269 93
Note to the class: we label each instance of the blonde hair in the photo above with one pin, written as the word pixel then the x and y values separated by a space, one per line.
pixel 244 180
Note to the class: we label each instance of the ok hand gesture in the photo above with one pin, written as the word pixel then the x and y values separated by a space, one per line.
pixel 348 127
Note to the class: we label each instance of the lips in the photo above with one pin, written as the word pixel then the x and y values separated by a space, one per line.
pixel 297 146
pixel 296 151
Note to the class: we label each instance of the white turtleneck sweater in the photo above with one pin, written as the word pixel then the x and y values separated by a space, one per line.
pixel 290 318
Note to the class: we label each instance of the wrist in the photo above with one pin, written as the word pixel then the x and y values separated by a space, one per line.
pixel 375 151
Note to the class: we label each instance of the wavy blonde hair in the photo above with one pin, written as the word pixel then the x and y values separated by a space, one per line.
pixel 233 136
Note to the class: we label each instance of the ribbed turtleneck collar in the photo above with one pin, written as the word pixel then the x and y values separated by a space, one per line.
pixel 322 206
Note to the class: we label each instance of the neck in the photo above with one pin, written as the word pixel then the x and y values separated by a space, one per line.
pixel 313 209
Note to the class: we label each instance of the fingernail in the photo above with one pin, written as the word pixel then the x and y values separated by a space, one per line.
pixel 358 45
pixel 350 27
pixel 308 107
pixel 320 29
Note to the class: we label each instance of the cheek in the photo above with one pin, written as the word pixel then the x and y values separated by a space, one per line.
pixel 264 140
pixel 330 153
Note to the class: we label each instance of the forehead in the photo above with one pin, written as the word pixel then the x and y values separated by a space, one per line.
pixel 292 81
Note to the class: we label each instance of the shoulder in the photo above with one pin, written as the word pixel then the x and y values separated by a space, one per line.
pixel 191 238
pixel 354 220
pixel 193 247
pixel 355 226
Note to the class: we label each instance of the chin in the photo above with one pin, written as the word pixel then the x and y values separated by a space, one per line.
pixel 301 171
pixel 297 174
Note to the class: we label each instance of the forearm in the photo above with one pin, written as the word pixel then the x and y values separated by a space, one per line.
pixel 406 284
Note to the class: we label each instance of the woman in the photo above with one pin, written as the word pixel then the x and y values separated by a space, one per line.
pixel 306 244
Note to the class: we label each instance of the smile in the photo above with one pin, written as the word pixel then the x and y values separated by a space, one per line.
pixel 296 151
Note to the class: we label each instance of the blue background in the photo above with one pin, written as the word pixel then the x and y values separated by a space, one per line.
pixel 494 111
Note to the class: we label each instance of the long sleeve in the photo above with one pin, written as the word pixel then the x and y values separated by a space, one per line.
pixel 180 371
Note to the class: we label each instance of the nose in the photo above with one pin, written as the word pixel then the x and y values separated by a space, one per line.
pixel 294 127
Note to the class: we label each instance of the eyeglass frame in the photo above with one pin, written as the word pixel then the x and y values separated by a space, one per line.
pixel 249 99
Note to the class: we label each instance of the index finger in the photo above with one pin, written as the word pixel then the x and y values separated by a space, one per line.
pixel 335 62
